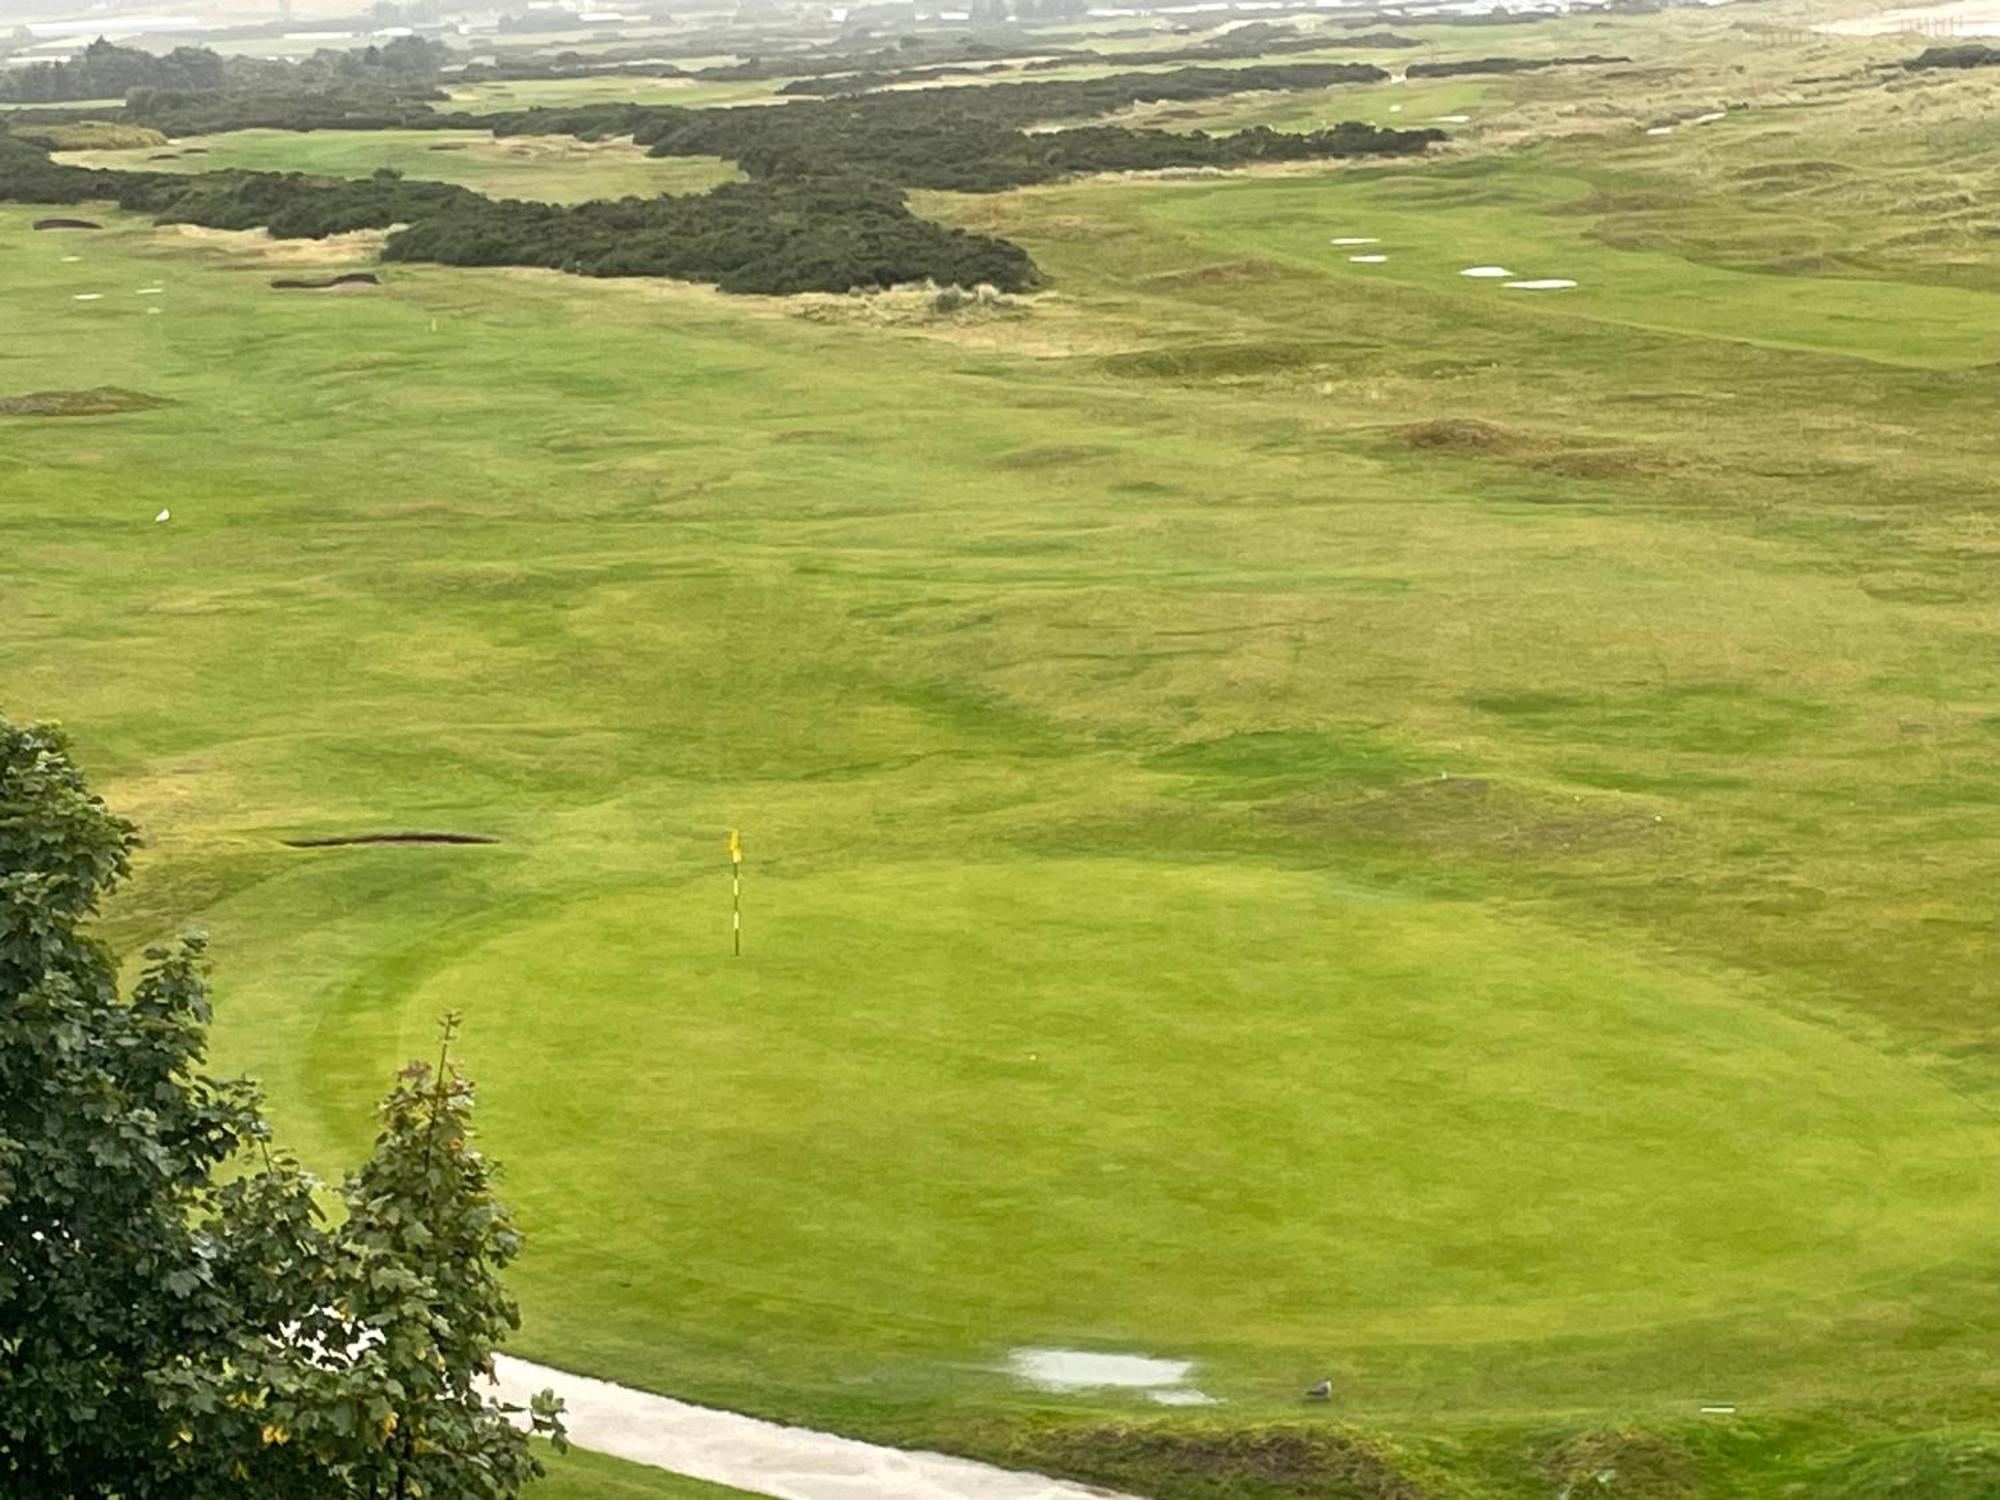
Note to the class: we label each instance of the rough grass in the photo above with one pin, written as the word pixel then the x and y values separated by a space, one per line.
pixel 100 401
pixel 1307 1463
pixel 1224 882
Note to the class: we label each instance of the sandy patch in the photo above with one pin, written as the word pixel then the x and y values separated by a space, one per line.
pixel 1368 260
pixel 1487 273
pixel 1355 239
pixel 1544 284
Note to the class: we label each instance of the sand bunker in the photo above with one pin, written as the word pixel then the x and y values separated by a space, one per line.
pixel 1660 130
pixel 1544 284
pixel 347 281
pixel 1354 239
pixel 1710 119
pixel 1070 1370
pixel 88 297
pixel 99 401
pixel 1452 119
pixel 66 224
pixel 1368 260
pixel 1486 273
pixel 346 840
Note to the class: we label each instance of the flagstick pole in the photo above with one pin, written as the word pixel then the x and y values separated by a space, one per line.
pixel 735 897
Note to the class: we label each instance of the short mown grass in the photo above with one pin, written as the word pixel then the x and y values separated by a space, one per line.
pixel 1256 851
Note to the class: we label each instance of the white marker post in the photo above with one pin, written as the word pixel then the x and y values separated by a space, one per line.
pixel 735 895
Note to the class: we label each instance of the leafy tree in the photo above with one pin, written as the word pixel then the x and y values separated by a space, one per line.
pixel 177 1318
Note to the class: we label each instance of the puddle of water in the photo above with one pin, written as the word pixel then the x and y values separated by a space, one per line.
pixel 1486 272
pixel 1069 1370
pixel 1368 260
pixel 1546 284
pixel 1079 1370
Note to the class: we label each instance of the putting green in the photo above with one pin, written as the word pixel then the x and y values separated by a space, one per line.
pixel 1186 1107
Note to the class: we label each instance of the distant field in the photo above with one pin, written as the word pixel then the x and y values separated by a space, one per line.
pixel 530 93
pixel 558 169
pixel 1320 818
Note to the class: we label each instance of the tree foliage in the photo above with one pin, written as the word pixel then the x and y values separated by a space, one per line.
pixel 105 70
pixel 178 1319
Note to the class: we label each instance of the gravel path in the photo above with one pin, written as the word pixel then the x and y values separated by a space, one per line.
pixel 765 1458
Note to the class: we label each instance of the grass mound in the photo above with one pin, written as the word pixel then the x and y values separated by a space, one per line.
pixel 1468 436
pixel 100 401
pixel 99 135
pixel 1621 1466
pixel 1307 1463
pixel 1936 1466
pixel 1471 437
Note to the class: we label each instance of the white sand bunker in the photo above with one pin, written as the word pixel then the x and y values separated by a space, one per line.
pixel 1660 130
pixel 88 297
pixel 70 260
pixel 1546 284
pixel 1164 1380
pixel 149 291
pixel 1487 273
pixel 1710 119
pixel 1354 239
pixel 1452 119
pixel 1368 260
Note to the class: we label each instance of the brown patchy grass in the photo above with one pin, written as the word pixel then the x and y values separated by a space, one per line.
pixel 99 401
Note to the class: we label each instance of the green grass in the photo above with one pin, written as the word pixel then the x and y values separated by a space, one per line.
pixel 578 1475
pixel 1502 921
pixel 532 93
pixel 557 169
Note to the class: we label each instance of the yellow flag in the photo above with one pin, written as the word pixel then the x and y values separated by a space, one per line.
pixel 735 848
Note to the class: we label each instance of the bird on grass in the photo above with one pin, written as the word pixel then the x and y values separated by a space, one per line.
pixel 1321 1392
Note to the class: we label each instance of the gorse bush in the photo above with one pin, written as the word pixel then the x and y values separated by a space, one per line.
pixel 825 209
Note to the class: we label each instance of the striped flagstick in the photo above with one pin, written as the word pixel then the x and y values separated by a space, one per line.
pixel 735 894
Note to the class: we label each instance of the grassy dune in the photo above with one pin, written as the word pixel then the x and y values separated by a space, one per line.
pixel 1322 819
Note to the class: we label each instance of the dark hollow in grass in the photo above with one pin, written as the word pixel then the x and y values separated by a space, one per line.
pixel 350 278
pixel 66 224
pixel 1303 1462
pixel 100 401
pixel 344 840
